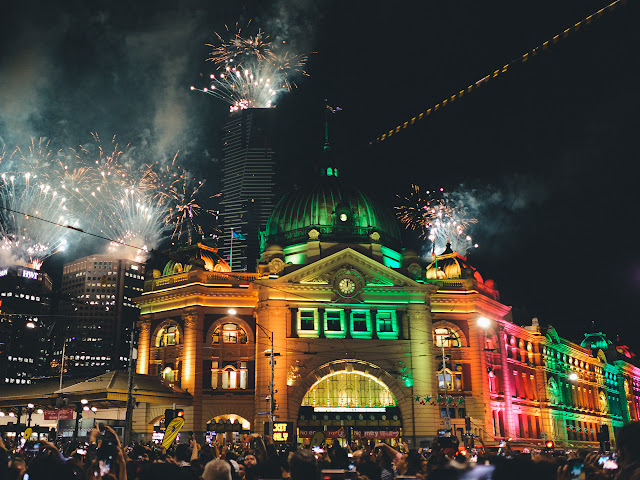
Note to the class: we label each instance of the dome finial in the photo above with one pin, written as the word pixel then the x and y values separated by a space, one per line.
pixel 327 165
pixel 448 249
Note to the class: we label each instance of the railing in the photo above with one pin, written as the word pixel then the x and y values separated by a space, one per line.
pixel 230 279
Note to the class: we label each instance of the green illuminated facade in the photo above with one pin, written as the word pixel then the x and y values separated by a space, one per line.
pixel 360 325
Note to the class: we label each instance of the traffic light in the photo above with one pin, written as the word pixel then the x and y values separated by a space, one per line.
pixel 274 405
pixel 169 415
pixel 549 445
pixel 467 423
pixel 179 413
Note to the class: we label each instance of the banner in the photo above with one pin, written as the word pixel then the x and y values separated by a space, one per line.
pixel 58 414
pixel 340 433
pixel 375 434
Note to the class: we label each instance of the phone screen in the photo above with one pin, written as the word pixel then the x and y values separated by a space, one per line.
pixel 105 467
pixel 81 451
pixel 576 469
pixel 608 462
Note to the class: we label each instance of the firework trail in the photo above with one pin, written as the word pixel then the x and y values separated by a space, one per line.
pixel 28 189
pixel 438 216
pixel 250 71
pixel 118 200
pixel 178 190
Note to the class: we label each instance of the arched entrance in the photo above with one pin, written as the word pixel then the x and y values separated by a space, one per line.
pixel 227 428
pixel 350 402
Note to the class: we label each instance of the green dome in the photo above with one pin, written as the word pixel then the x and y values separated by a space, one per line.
pixel 338 212
pixel 596 340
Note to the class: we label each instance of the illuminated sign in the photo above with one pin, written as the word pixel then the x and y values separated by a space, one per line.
pixel 349 409
pixel 282 431
pixel 4 272
pixel 29 274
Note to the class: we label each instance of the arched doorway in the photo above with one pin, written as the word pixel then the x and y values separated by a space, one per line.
pixel 227 428
pixel 350 403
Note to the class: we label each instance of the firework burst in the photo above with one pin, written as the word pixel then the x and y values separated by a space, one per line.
pixel 33 208
pixel 438 216
pixel 250 72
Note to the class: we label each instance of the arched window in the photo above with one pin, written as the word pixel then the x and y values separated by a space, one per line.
pixel 169 375
pixel 168 335
pixel 348 389
pixel 453 379
pixel 446 337
pixel 230 333
pixel 233 375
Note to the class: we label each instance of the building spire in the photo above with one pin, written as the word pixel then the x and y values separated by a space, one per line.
pixel 327 164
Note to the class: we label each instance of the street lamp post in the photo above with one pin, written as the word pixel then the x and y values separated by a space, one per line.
pixel 272 391
pixel 30 408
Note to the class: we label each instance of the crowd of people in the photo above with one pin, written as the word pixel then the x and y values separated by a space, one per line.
pixel 103 457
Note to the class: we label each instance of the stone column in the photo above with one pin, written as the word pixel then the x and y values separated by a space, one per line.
pixel 272 315
pixel 321 323
pixel 347 322
pixel 144 345
pixel 426 421
pixel 191 376
pixel 374 324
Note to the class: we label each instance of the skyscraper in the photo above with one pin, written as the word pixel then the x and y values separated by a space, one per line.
pixel 248 184
pixel 24 323
pixel 97 293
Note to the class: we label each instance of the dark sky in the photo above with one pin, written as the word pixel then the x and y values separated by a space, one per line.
pixel 546 152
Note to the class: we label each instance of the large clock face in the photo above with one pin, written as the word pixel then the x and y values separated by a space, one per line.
pixel 347 286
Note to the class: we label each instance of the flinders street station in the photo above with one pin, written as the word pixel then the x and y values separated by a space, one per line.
pixel 367 341
pixel 341 331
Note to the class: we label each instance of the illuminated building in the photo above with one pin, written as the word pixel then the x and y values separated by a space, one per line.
pixel 24 320
pixel 359 326
pixel 97 299
pixel 248 183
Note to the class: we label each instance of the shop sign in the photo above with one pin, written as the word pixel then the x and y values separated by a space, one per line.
pixel 58 414
pixel 340 433
pixel 375 434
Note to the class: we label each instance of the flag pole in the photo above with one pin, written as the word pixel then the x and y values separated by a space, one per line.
pixel 231 252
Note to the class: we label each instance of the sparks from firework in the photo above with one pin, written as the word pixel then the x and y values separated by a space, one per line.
pixel 234 45
pixel 178 191
pixel 27 191
pixel 250 73
pixel 438 216
pixel 119 201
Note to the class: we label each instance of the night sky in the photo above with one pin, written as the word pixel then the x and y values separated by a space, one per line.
pixel 546 152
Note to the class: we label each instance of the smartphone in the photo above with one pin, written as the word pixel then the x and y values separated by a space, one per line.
pixel 608 462
pixel 105 467
pixel 81 451
pixel 576 468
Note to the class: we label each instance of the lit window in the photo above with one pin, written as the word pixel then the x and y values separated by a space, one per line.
pixel 169 375
pixel 446 337
pixel 307 320
pixel 232 377
pixel 231 333
pixel 169 335
pixel 359 321
pixel 385 321
pixel 454 380
pixel 334 323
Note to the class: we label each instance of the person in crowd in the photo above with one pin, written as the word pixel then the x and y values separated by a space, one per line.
pixel 304 466
pixel 217 469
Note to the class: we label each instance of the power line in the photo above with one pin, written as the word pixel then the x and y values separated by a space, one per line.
pixel 70 227
pixel 484 80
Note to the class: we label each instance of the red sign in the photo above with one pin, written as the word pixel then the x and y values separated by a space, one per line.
pixel 376 434
pixel 340 433
pixel 59 414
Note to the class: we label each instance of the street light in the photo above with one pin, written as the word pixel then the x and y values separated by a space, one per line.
pixel 484 322
pixel 84 401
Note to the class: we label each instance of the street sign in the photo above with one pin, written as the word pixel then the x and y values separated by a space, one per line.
pixel 264 413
